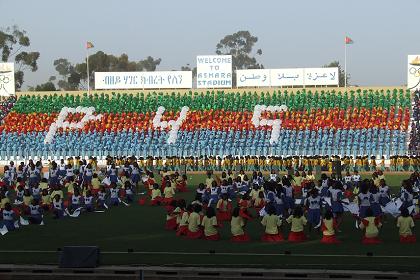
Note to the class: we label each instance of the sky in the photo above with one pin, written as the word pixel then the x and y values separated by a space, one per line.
pixel 299 33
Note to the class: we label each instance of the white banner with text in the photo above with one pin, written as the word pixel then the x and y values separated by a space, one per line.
pixel 413 72
pixel 287 77
pixel 253 78
pixel 214 71
pixel 7 79
pixel 143 80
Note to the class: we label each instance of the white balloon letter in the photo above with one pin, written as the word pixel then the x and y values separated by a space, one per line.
pixel 88 111
pixel 275 124
pixel 173 124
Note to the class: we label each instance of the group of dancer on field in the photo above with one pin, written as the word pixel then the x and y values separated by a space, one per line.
pixel 27 193
pixel 303 203
pixel 79 186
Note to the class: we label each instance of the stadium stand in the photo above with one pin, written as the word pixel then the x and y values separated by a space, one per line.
pixel 414 146
pixel 361 122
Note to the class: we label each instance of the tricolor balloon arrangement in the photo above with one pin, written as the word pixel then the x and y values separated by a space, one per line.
pixel 275 124
pixel 62 123
pixel 174 125
pixel 369 122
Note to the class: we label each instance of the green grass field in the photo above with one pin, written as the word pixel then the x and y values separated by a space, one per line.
pixel 141 229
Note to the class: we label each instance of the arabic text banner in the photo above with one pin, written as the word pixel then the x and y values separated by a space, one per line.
pixel 327 76
pixel 140 80
pixel 7 79
pixel 214 71
pixel 287 77
pixel 253 78
pixel 413 72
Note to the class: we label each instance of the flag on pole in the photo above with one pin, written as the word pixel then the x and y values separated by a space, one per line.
pixel 89 45
pixel 347 41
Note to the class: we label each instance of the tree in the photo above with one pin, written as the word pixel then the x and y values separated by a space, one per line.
pixel 341 73
pixel 13 46
pixel 188 68
pixel 148 64
pixel 48 86
pixel 70 80
pixel 240 46
pixel 74 76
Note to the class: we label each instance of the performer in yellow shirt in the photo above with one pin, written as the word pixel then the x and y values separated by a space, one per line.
pixel 328 229
pixel 305 163
pixel 281 163
pixel 237 227
pixel 346 162
pixel 179 163
pixel 271 222
pixel 296 163
pixel 46 200
pixel 298 222
pixel 405 163
pixel 27 198
pixel 183 222
pixel 168 192
pixel 209 179
pixel 224 207
pixel 156 195
pixel 270 163
pixel 372 163
pixel 400 163
pixel 194 222
pixel 44 184
pixel 393 163
pixel 359 164
pixel 412 164
pixel 352 164
pixel 249 163
pixel 57 191
pixel 405 223
pixel 168 163
pixel 371 226
pixel 199 162
pixel 366 163
pixel 4 200
pixel 213 163
pixel 70 188
pixel 310 177
pixel 173 211
pixel 330 164
pixel 235 164
pixel 210 225
pixel 96 184
pixel 324 164
pixel 382 166
pixel 190 164
pixel 297 183
pixel 289 163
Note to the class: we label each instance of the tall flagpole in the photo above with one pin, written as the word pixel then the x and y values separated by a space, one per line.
pixel 345 63
pixel 87 68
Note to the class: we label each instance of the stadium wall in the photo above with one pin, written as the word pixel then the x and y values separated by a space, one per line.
pixel 260 89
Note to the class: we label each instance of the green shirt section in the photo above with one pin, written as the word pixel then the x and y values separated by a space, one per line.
pixel 216 100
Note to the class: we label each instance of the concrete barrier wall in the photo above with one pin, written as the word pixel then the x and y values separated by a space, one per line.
pixel 158 273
